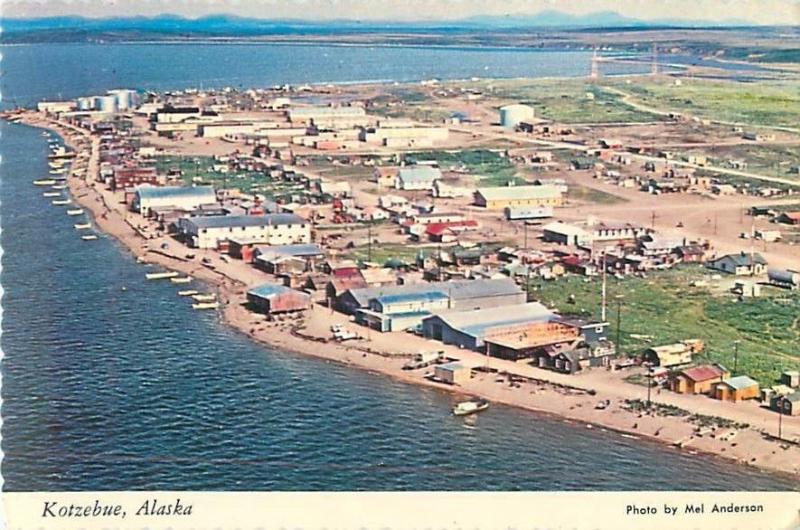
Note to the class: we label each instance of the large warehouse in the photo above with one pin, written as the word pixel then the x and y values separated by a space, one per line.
pixel 500 197
pixel 272 229
pixel 179 197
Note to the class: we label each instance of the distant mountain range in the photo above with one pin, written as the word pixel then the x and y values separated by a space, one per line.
pixel 229 25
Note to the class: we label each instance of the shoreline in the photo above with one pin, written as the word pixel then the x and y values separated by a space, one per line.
pixel 568 400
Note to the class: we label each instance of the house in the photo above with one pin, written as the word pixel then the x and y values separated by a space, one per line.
pixel 691 253
pixel 791 378
pixel 789 218
pixel 340 284
pixel 742 264
pixel 671 355
pixel 273 258
pixel 385 176
pixel 565 234
pixel 271 298
pixel 501 197
pixel 448 231
pixel 573 360
pixel 417 177
pixel 452 373
pixel 736 389
pixel 698 379
pixel 183 197
pixel 469 328
pixel 273 229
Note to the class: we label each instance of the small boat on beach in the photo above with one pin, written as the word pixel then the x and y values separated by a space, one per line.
pixel 204 297
pixel 82 226
pixel 58 186
pixel 60 202
pixel 470 407
pixel 90 237
pixel 44 182
pixel 160 275
pixel 76 211
pixel 183 279
pixel 51 194
pixel 206 305
pixel 60 171
pixel 188 292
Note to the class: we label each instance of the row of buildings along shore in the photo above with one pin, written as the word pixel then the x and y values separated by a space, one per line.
pixel 456 291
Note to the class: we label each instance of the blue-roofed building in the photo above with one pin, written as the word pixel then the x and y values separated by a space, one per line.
pixel 179 197
pixel 417 177
pixel 468 329
pixel 272 229
pixel 400 311
pixel 271 298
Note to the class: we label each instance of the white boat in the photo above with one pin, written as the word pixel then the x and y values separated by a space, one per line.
pixel 206 305
pixel 160 275
pixel 184 279
pixel 60 202
pixel 470 407
pixel 204 297
pixel 76 211
pixel 58 171
pixel 51 194
pixel 82 226
pixel 44 182
pixel 90 237
pixel 188 292
pixel 58 186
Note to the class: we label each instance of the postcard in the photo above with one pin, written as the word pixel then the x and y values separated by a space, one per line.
pixel 369 264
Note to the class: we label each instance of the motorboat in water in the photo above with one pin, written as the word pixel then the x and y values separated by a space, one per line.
pixel 470 407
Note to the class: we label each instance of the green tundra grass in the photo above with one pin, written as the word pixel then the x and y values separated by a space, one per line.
pixel 665 307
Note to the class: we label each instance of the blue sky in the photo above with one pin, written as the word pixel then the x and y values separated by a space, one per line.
pixel 753 11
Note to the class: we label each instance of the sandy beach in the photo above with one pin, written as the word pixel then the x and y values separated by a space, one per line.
pixel 573 398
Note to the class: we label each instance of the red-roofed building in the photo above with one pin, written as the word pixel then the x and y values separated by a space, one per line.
pixel 791 218
pixel 698 379
pixel 445 232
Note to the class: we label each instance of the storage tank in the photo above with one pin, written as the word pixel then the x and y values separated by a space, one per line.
pixel 107 103
pixel 512 115
pixel 86 103
pixel 125 98
pixel 781 276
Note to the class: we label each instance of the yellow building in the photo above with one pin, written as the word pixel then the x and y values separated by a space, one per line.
pixel 501 197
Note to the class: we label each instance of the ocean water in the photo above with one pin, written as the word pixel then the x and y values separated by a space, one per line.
pixel 34 72
pixel 112 382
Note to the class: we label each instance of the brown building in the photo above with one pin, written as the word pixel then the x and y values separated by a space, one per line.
pixel 736 389
pixel 698 379
pixel 129 177
pixel 272 298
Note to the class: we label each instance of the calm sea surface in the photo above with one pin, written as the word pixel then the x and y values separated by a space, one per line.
pixel 111 382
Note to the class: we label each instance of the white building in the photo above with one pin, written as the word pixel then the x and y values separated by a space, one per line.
pixel 417 177
pixel 179 197
pixel 272 229
pixel 55 106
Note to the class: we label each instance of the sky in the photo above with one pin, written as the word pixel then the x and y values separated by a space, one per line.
pixel 784 12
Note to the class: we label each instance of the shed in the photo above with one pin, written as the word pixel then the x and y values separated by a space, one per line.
pixel 736 388
pixel 698 379
pixel 791 378
pixel 452 373
pixel 788 405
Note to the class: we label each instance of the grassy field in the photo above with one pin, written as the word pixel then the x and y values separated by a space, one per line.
pixel 566 100
pixel 199 170
pixel 770 160
pixel 582 193
pixel 489 167
pixel 773 104
pixel 665 307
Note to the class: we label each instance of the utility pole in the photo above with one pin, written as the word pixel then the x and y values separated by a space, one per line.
pixel 653 220
pixel 369 242
pixel 735 356
pixel 603 291
pixel 649 383
pixel 525 228
pixel 619 324
pixel 780 417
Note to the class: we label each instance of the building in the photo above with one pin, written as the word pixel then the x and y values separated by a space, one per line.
pixel 742 264
pixel 698 379
pixel 500 197
pixel 385 176
pixel 417 177
pixel 790 218
pixel 320 114
pixel 522 213
pixel 55 107
pixel 274 259
pixel 398 312
pixel 271 298
pixel 131 176
pixel 186 198
pixel 513 115
pixel 791 378
pixel 671 355
pixel 565 234
pixel 788 405
pixel 452 373
pixel 272 229
pixel 736 388
pixel 463 294
pixel 469 328
pixel 404 136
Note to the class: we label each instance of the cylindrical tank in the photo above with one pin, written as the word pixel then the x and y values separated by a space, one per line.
pixel 513 115
pixel 783 276
pixel 107 103
pixel 126 98
pixel 85 103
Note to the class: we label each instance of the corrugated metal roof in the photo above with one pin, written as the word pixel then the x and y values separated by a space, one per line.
pixel 477 322
pixel 269 290
pixel 457 289
pixel 270 252
pixel 740 382
pixel 158 192
pixel 429 296
pixel 225 221
pixel 520 192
